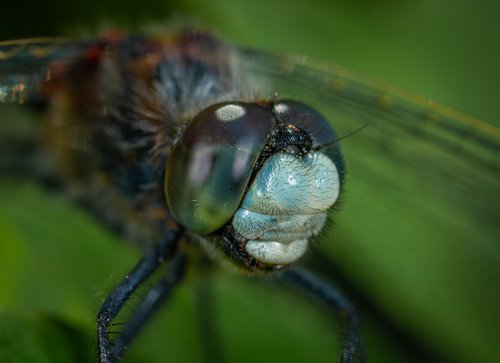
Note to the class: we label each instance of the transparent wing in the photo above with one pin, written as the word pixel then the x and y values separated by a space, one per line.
pixel 418 229
pixel 24 65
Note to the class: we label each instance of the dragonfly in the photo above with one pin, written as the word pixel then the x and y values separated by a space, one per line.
pixel 123 114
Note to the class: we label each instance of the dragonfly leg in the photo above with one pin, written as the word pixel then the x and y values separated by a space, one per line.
pixel 342 308
pixel 120 294
pixel 154 298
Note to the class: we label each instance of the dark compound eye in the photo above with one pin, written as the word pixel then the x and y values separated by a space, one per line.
pixel 306 118
pixel 210 165
pixel 320 132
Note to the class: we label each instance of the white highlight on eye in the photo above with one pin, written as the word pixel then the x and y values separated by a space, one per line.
pixel 240 162
pixel 281 108
pixel 230 113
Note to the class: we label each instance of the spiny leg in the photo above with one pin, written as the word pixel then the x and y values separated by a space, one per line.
pixel 154 299
pixel 120 294
pixel 342 308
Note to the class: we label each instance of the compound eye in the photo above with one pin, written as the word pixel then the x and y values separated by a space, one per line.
pixel 323 137
pixel 210 165
pixel 307 118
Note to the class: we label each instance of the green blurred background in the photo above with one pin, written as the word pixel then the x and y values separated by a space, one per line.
pixel 56 263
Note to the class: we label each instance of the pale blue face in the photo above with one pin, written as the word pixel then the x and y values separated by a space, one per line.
pixel 286 205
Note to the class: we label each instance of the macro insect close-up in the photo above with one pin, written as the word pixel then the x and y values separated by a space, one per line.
pixel 179 193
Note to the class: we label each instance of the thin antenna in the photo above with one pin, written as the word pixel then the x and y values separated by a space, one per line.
pixel 343 137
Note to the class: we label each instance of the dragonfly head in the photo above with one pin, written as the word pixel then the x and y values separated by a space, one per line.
pixel 255 176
